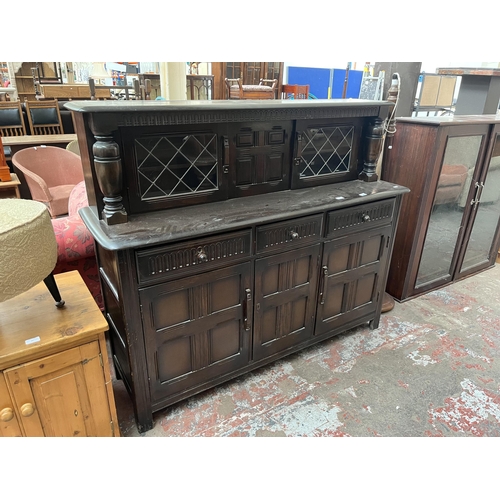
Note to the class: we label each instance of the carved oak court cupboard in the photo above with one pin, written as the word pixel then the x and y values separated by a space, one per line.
pixel 230 234
pixel 451 216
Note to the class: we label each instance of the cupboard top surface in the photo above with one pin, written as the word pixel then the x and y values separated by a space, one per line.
pixel 440 121
pixel 218 105
pixel 192 221
pixel 31 325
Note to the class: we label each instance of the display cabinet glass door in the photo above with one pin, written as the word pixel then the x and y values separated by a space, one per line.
pixel 174 166
pixel 459 172
pixel 325 152
pixel 482 243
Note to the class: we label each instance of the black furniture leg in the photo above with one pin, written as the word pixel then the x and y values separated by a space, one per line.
pixel 51 284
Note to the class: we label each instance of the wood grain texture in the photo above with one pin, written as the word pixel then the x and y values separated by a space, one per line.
pixel 55 369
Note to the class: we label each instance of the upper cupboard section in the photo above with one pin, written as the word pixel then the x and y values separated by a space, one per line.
pixel 170 166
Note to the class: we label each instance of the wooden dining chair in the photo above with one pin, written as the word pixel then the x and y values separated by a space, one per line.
pixel 126 91
pixel 294 91
pixel 44 117
pixel 11 119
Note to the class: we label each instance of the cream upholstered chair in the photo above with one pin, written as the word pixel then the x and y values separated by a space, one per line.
pixel 51 173
pixel 28 249
pixel 73 147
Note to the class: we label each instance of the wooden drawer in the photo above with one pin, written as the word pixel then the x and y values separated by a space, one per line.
pixel 367 216
pixel 171 261
pixel 288 234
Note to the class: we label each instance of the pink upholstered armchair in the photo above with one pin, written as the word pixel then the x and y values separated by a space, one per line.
pixel 75 244
pixel 50 173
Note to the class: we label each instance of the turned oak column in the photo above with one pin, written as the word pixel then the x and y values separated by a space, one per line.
pixel 109 174
pixel 374 139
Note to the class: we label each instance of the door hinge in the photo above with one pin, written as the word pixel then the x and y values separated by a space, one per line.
pixel 112 424
pixel 100 360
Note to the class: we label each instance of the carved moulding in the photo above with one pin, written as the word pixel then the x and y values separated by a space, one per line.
pixel 204 117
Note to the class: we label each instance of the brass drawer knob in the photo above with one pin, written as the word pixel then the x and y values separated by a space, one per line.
pixel 6 414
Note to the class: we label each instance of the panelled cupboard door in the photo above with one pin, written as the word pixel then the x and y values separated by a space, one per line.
pixel 349 284
pixel 9 425
pixel 197 328
pixel 259 157
pixel 63 395
pixel 285 300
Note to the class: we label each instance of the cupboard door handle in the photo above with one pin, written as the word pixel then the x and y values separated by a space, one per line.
pixel 225 145
pixel 479 190
pixel 248 298
pixel 323 285
pixel 480 187
pixel 27 410
pixel 294 235
pixel 6 414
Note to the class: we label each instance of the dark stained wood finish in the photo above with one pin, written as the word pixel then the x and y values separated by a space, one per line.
pixel 416 160
pixel 259 156
pixel 285 300
pixel 173 261
pixel 352 269
pixel 289 234
pixel 197 328
pixel 199 289
pixel 317 161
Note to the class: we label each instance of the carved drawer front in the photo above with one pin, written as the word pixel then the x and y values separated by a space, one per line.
pixel 363 217
pixel 288 234
pixel 194 256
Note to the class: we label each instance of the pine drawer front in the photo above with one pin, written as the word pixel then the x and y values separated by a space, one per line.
pixel 367 216
pixel 195 256
pixel 288 234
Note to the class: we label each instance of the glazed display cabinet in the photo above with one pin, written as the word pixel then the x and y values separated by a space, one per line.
pixel 232 233
pixel 451 216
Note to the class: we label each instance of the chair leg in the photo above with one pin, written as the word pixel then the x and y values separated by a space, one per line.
pixel 51 284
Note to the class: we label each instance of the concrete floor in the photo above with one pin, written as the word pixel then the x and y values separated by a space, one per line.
pixel 432 368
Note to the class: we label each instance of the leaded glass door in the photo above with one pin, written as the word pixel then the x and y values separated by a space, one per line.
pixel 325 152
pixel 175 166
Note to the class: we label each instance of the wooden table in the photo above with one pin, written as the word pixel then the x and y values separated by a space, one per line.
pixel 10 189
pixel 479 92
pixel 28 141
